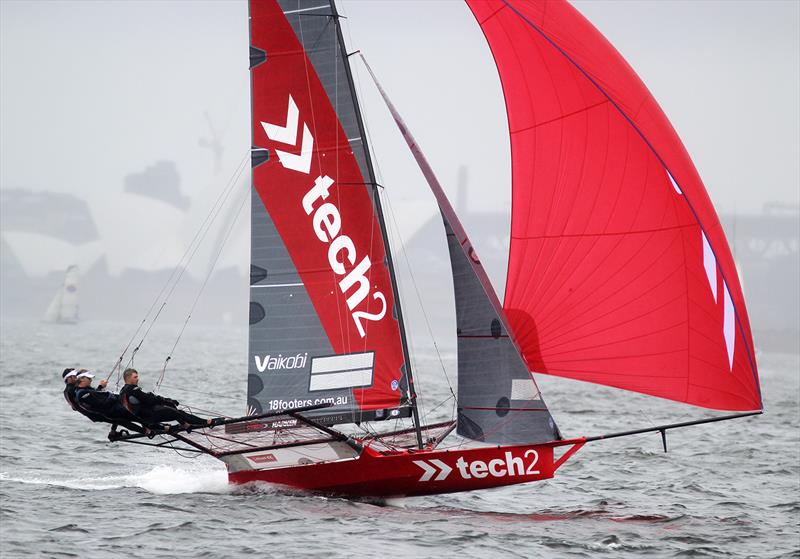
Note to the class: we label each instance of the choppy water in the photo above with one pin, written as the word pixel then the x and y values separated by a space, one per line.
pixel 727 489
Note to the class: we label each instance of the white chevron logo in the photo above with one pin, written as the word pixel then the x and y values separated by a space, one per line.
pixel 429 469
pixel 288 135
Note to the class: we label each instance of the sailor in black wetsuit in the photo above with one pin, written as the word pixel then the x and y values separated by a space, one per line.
pixel 72 381
pixel 99 405
pixel 70 377
pixel 151 409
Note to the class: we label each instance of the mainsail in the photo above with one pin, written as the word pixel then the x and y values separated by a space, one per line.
pixel 325 321
pixel 64 306
pixel 619 272
pixel 498 399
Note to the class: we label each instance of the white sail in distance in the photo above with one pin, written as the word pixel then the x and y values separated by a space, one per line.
pixel 63 308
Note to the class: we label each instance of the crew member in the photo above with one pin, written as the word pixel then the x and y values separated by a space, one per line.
pixel 72 381
pixel 151 408
pixel 99 405
pixel 70 376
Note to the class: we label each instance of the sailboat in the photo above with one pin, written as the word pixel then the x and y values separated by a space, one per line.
pixel 619 272
pixel 63 309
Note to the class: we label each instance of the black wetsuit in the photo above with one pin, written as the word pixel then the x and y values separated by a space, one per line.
pixel 152 409
pixel 69 394
pixel 99 405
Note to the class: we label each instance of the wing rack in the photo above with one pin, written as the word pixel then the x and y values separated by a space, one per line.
pixel 246 434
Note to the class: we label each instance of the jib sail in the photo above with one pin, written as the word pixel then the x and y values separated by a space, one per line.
pixel 325 322
pixel 619 272
pixel 498 399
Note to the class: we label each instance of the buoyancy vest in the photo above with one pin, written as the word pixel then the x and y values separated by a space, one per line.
pixel 128 400
pixel 134 399
pixel 93 400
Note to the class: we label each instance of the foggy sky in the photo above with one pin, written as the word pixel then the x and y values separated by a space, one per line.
pixel 93 91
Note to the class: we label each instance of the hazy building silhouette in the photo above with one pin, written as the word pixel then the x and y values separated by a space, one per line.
pixel 56 214
pixel 160 181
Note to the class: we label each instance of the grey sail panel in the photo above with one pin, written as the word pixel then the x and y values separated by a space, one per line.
pixel 286 337
pixel 498 399
pixel 283 322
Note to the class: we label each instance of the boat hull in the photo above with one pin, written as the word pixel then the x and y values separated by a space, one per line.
pixel 409 472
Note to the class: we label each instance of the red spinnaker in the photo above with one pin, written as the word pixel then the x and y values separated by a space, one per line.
pixel 619 271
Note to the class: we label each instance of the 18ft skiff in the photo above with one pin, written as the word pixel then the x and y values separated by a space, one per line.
pixel 619 272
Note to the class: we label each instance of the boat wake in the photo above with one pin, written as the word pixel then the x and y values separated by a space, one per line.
pixel 159 480
pixel 546 515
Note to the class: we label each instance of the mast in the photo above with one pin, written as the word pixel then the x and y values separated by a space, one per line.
pixel 382 222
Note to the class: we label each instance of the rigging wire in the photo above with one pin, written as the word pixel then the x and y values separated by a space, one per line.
pixel 338 55
pixel 344 331
pixel 146 332
pixel 226 192
pixel 204 392
pixel 216 213
pixel 205 282
pixel 396 231
pixel 339 299
pixel 377 192
pixel 181 266
pixel 182 453
pixel 647 417
pixel 419 298
pixel 374 188
pixel 194 409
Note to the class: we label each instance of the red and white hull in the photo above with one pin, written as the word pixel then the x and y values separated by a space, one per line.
pixel 371 473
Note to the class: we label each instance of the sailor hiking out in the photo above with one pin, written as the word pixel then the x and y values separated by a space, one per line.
pixel 152 409
pixel 72 382
pixel 99 405
pixel 70 376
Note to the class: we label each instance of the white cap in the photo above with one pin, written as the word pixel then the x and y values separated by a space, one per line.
pixel 72 373
pixel 87 374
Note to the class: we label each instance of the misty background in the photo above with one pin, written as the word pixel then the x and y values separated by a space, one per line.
pixel 122 122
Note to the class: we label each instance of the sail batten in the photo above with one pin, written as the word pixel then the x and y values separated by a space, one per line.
pixel 593 154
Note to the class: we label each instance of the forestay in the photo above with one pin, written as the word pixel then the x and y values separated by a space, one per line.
pixel 498 399
pixel 325 324
pixel 619 272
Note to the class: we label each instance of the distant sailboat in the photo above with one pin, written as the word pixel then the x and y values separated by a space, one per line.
pixel 63 308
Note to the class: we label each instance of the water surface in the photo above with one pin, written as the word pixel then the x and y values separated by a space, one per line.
pixel 727 489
